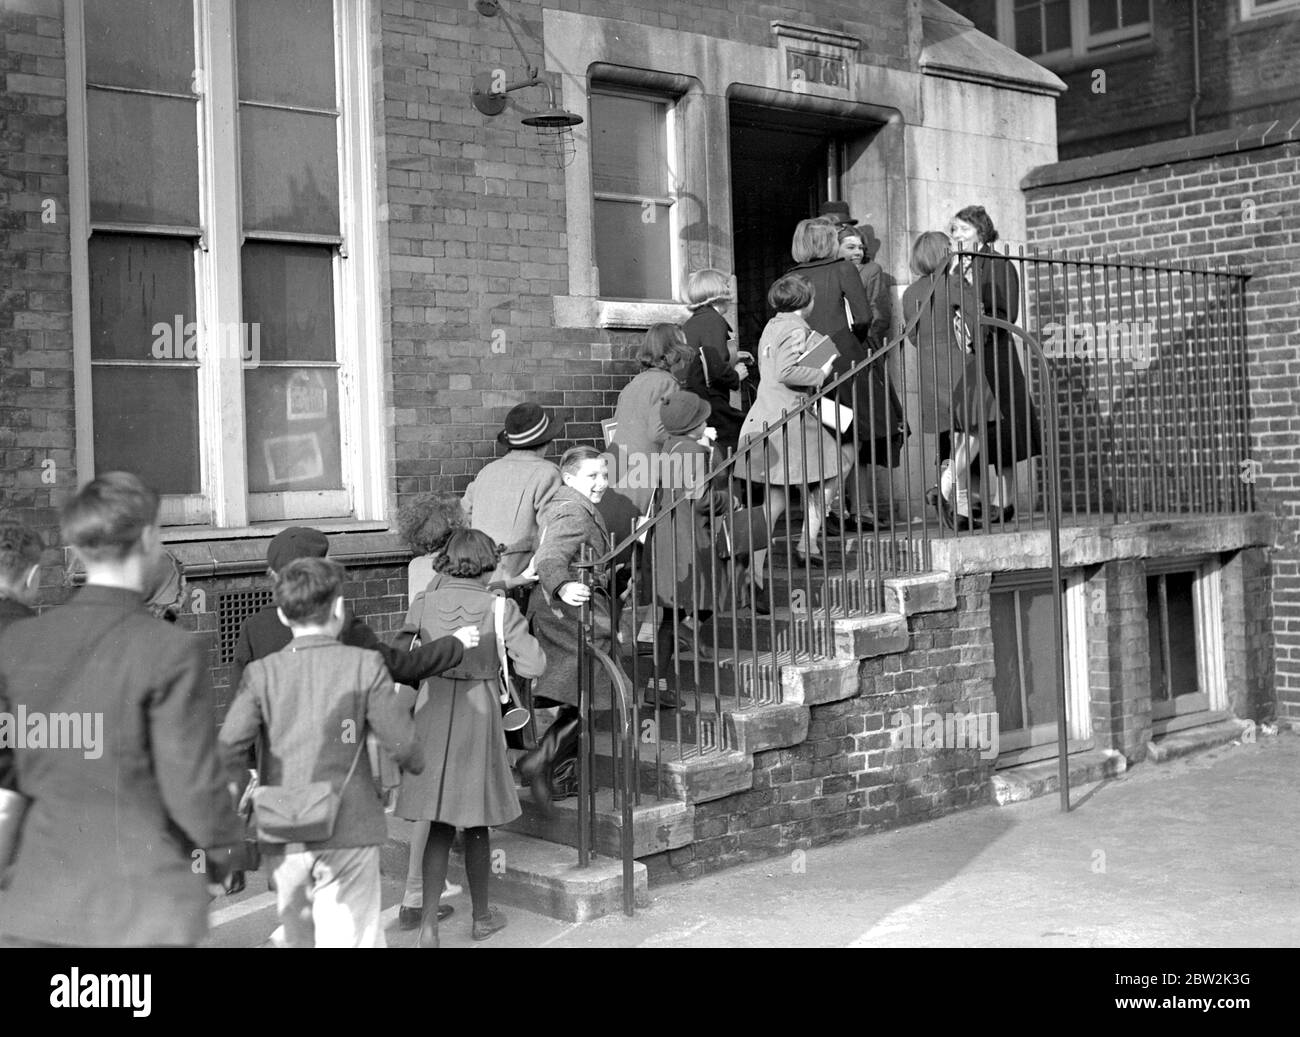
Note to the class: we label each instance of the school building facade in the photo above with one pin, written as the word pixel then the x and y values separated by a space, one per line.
pixel 275 259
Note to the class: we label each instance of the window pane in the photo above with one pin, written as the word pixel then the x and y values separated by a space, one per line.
pixel 628 138
pixel 633 256
pixel 286 51
pixel 1006 661
pixel 143 159
pixel 1039 649
pixel 289 294
pixel 146 44
pixel 1029 30
pixel 1102 15
pixel 1056 16
pixel 1135 12
pixel 147 422
pixel 290 171
pixel 1182 632
pixel 292 417
pixel 141 293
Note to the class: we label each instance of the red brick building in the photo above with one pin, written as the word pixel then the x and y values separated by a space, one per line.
pixel 273 258
pixel 1139 71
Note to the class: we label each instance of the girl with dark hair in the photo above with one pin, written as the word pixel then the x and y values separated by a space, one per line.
pixel 1012 433
pixel 466 782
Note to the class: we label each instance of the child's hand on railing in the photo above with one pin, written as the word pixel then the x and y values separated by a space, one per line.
pixel 575 593
pixel 742 371
pixel 467 636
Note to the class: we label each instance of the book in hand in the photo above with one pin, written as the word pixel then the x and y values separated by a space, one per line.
pixel 820 352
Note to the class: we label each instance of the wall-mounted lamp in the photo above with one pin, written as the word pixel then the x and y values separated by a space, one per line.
pixel 490 94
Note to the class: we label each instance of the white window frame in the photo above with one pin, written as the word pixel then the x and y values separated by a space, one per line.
pixel 1082 42
pixel 668 201
pixel 1207 612
pixel 224 506
pixel 1253 9
pixel 1078 700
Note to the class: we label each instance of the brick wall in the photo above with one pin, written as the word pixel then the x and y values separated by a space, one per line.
pixel 1119 667
pixel 36 406
pixel 849 775
pixel 1250 72
pixel 1222 199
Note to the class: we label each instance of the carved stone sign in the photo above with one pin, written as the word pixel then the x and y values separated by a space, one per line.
pixel 816 61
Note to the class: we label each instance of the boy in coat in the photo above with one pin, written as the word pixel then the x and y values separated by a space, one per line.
pixel 120 825
pixel 316 700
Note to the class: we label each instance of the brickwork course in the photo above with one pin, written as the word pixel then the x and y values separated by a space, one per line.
pixel 1139 92
pixel 1219 200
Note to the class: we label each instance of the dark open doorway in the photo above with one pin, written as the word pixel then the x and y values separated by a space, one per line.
pixel 784 164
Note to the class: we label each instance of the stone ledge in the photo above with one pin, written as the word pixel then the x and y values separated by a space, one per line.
pixel 869 636
pixel 1196 739
pixel 767 727
pixel 815 683
pixel 656 826
pixel 1031 780
pixel 1165 152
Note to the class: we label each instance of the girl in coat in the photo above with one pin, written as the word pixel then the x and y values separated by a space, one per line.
pixel 842 312
pixel 779 461
pixel 953 391
pixel 711 374
pixel 686 570
pixel 569 522
pixel 1013 432
pixel 466 781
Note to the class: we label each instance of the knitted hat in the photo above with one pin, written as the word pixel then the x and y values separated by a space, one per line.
pixel 527 425
pixel 683 412
pixel 295 542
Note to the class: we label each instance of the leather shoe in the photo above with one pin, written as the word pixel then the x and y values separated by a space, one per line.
pixel 486 927
pixel 408 918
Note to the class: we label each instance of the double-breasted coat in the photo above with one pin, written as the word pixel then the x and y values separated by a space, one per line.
pixel 569 522
pixel 878 415
pixel 106 851
pixel 803 450
pixel 1014 433
pixel 951 382
pixel 639 435
pixel 466 780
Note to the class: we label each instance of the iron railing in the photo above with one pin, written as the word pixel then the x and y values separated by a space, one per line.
pixel 1110 417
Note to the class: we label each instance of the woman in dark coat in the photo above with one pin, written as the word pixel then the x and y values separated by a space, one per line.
pixel 878 421
pixel 951 383
pixel 466 782
pixel 1014 433
pixel 569 521
pixel 711 374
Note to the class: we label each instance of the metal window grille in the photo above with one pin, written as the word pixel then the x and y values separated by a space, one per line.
pixel 232 609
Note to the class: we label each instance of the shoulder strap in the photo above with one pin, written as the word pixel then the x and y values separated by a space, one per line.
pixel 499 624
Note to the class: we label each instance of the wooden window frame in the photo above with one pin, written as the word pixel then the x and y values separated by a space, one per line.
pixel 1251 10
pixel 1211 673
pixel 224 505
pixel 1083 43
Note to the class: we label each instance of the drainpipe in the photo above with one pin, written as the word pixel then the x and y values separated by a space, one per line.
pixel 1196 70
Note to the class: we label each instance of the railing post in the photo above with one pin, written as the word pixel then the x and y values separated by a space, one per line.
pixel 585 678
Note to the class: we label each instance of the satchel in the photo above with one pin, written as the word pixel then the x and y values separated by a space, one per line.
pixel 300 813
pixel 514 718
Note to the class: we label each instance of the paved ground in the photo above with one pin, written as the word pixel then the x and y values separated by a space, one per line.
pixel 1195 852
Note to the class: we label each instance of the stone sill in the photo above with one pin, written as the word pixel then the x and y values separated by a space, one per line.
pixel 580 311
pixel 243 552
pixel 1095 545
pixel 1111 55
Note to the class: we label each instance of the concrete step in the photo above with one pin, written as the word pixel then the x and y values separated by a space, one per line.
pixel 1195 740
pixel 1030 780
pixel 690 773
pixel 657 825
pixel 784 631
pixel 851 592
pixel 925 592
pixel 544 877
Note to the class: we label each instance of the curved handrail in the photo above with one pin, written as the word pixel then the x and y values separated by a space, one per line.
pixel 627 847
pixel 642 528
